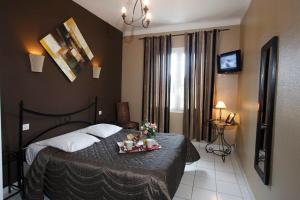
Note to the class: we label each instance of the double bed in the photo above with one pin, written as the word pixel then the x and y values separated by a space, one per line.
pixel 100 172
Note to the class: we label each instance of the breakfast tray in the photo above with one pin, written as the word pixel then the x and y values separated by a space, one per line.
pixel 138 147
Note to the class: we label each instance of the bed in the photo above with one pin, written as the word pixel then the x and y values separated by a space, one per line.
pixel 100 172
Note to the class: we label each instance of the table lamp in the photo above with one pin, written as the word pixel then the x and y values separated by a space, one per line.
pixel 220 105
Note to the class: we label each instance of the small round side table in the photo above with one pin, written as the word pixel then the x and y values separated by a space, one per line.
pixel 224 148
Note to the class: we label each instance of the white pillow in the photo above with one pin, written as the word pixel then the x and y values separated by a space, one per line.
pixel 102 130
pixel 70 142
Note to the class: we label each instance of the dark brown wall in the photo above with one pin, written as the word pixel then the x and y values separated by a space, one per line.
pixel 22 25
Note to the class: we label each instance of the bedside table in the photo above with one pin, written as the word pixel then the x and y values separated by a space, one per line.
pixel 11 156
pixel 223 148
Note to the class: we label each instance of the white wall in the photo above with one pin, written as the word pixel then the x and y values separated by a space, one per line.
pixel 265 19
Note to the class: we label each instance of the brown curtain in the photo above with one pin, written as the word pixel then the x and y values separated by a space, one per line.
pixel 156 84
pixel 200 50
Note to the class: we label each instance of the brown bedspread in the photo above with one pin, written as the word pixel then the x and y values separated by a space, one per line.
pixel 99 172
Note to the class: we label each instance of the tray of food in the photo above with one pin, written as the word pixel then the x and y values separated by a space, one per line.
pixel 134 144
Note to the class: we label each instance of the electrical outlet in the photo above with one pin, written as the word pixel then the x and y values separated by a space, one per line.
pixel 25 127
pixel 100 112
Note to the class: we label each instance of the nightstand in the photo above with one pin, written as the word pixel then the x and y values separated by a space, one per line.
pixel 223 148
pixel 11 156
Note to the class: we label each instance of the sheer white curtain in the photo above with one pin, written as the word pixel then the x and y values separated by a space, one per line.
pixel 177 80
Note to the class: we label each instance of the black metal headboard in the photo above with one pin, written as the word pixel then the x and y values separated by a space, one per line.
pixel 23 110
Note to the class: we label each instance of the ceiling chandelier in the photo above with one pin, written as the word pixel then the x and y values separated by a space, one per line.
pixel 144 16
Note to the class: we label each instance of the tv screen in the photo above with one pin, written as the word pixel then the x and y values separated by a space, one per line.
pixel 229 62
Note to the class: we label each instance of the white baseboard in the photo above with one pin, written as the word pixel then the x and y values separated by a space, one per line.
pixel 245 178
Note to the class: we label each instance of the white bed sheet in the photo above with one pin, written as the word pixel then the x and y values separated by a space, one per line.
pixel 31 152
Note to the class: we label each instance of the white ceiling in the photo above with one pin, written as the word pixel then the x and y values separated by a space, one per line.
pixel 172 15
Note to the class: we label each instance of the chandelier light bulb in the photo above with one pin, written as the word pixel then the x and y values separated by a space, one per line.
pixel 124 11
pixel 146 3
pixel 144 16
pixel 148 16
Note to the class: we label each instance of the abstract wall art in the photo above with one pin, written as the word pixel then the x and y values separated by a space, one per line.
pixel 68 48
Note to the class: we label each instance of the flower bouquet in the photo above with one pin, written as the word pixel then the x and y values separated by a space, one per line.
pixel 148 129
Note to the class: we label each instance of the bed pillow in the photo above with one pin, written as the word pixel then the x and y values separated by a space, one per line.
pixel 102 130
pixel 70 142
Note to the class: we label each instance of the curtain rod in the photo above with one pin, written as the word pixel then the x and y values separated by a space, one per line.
pixel 181 34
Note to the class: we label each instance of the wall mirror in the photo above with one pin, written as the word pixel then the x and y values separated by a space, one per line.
pixel 266 98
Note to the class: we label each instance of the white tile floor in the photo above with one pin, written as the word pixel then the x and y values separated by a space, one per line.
pixel 211 179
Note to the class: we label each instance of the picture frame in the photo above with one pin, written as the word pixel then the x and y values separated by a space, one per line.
pixel 68 48
pixel 230 118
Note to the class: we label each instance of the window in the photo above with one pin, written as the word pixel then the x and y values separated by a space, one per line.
pixel 177 80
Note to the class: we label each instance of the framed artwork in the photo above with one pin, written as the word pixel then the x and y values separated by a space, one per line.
pixel 230 118
pixel 68 48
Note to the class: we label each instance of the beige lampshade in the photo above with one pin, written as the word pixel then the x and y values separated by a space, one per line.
pixel 96 71
pixel 221 105
pixel 36 62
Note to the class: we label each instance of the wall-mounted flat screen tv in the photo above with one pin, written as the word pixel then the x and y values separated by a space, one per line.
pixel 229 62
